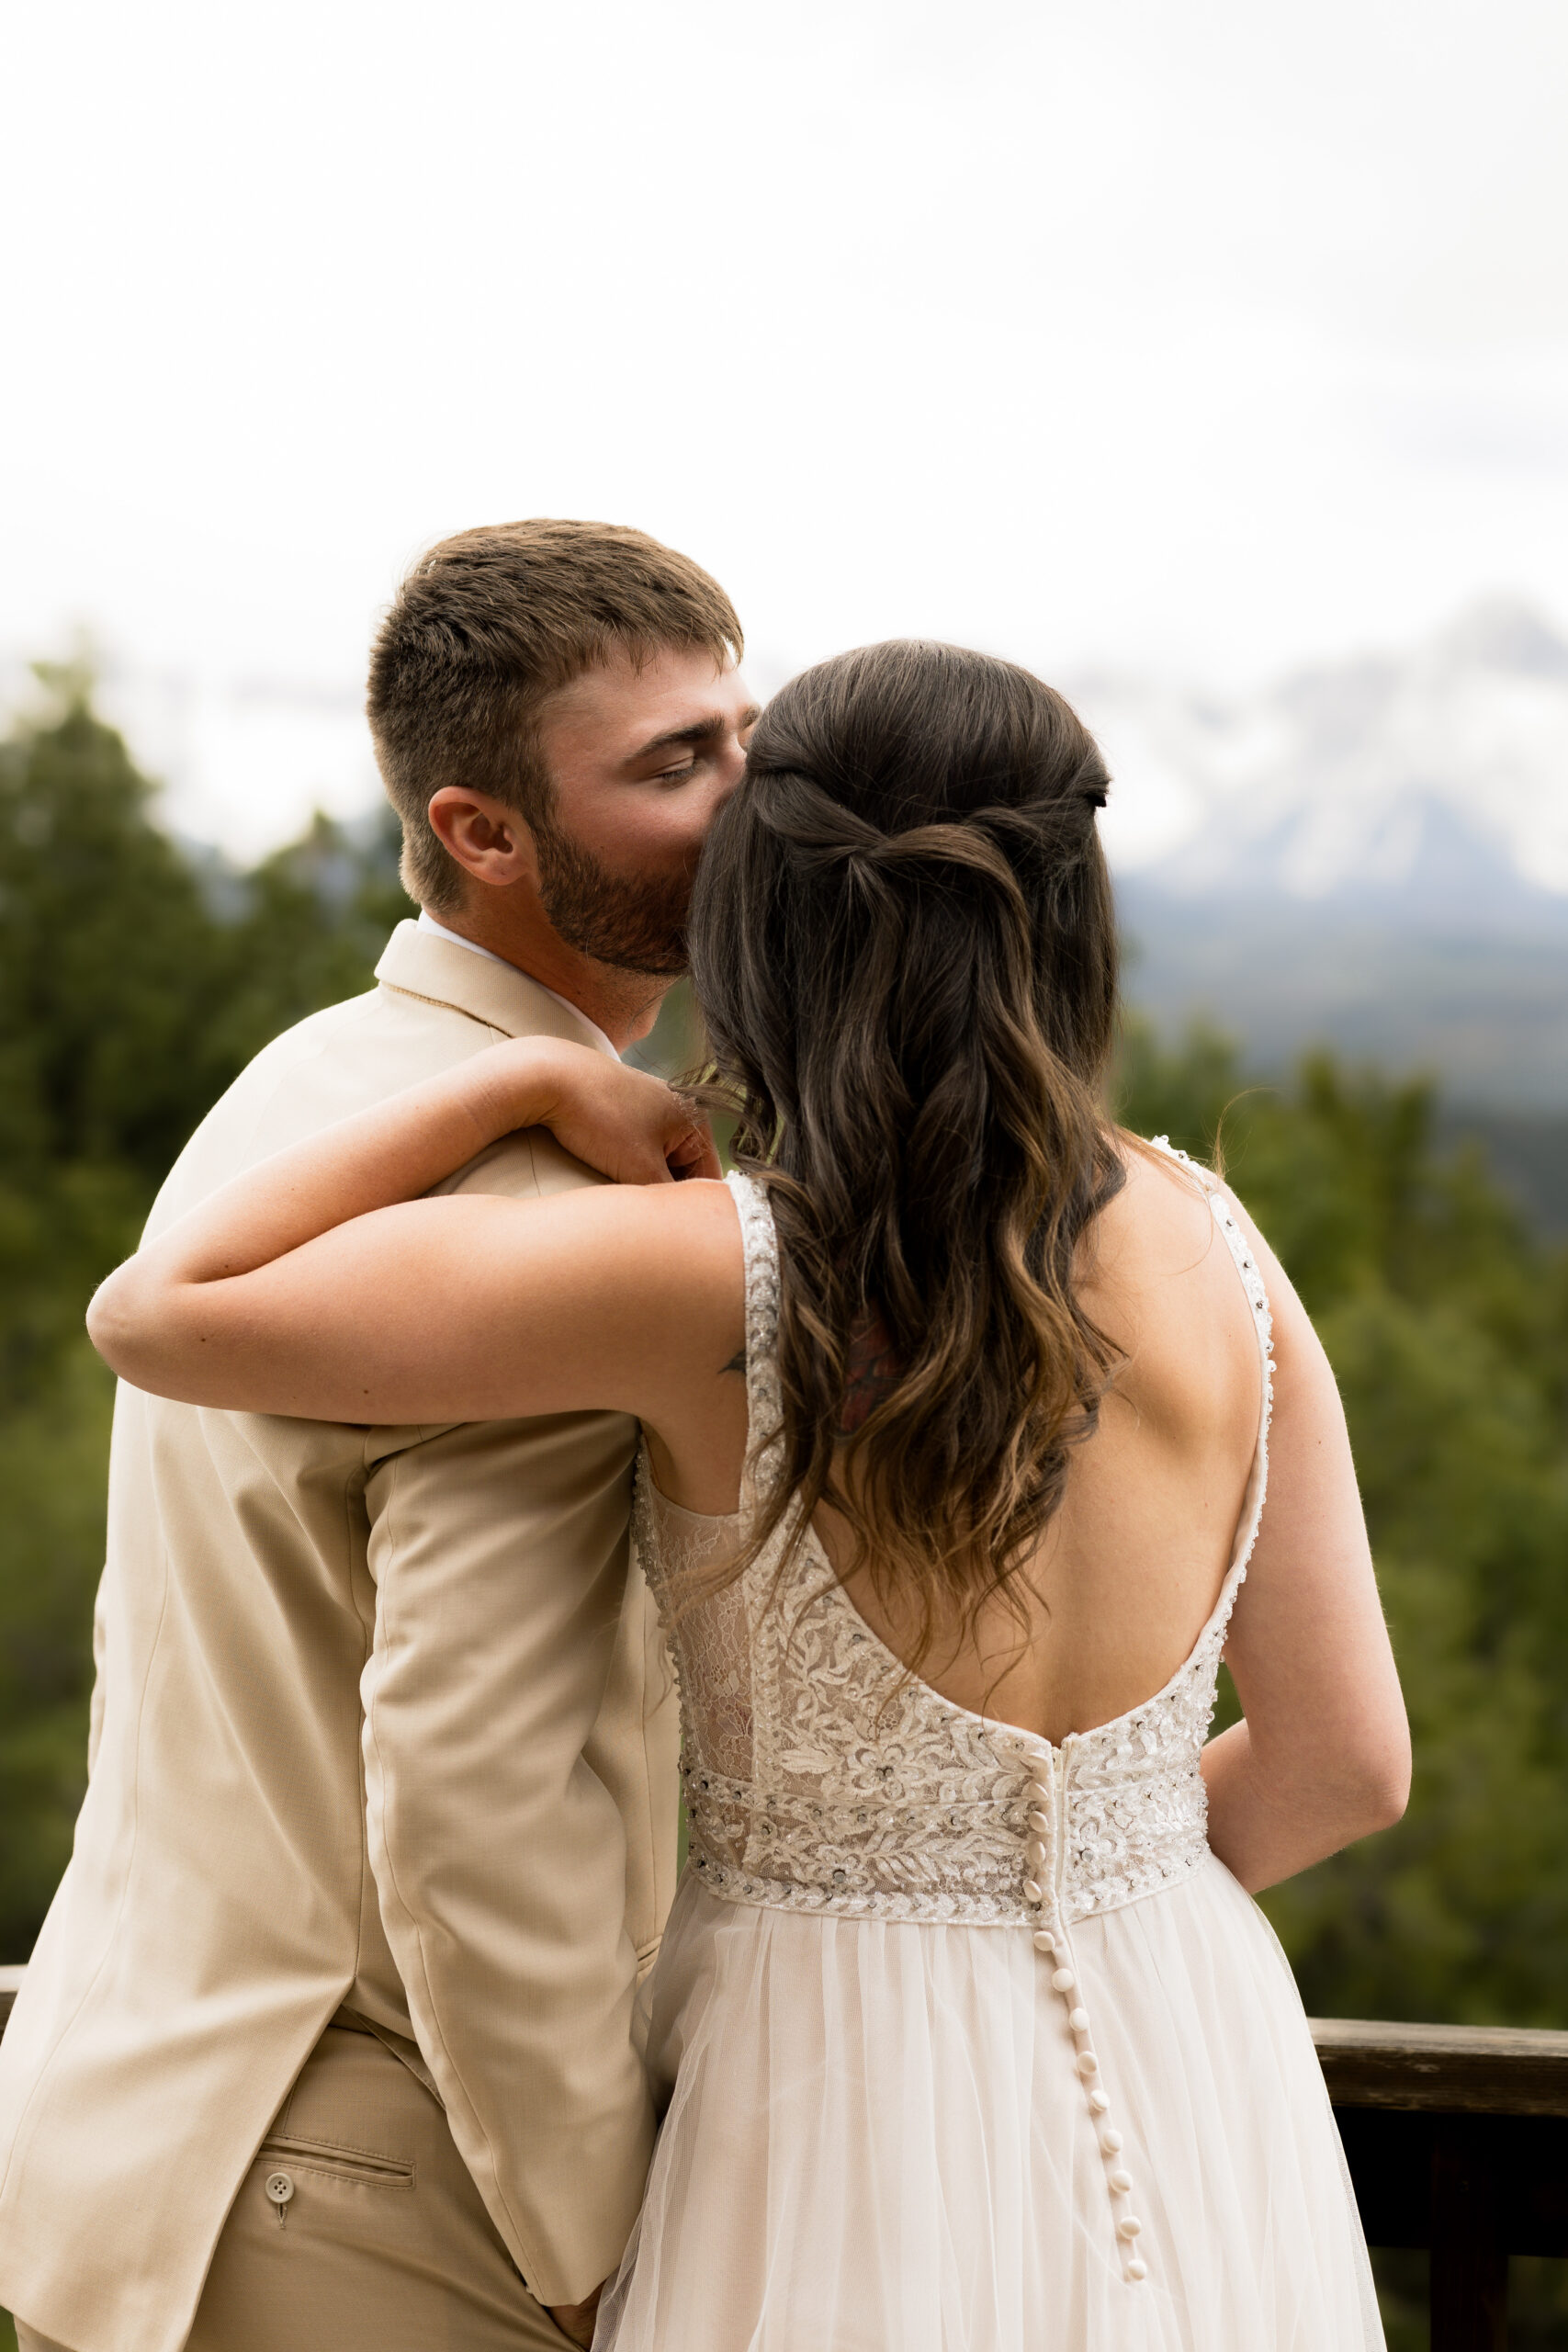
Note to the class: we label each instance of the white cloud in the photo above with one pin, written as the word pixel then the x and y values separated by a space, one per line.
pixel 1207 336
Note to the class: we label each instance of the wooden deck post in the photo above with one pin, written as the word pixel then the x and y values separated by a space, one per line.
pixel 1469 2262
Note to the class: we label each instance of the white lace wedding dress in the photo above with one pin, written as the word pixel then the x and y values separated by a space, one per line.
pixel 968 2042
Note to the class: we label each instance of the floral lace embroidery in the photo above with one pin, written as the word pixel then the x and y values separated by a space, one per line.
pixel 819 1776
pixel 708 1631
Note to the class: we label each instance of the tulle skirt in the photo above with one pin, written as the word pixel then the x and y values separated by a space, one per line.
pixel 876 2141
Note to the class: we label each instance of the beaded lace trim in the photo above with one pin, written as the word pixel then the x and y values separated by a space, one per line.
pixel 820 1776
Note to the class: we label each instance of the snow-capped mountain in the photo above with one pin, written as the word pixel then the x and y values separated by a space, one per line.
pixel 1373 851
pixel 1394 773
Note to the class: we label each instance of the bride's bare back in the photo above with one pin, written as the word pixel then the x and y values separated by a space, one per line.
pixel 1131 1566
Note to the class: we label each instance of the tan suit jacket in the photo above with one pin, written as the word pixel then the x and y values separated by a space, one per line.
pixel 383 1716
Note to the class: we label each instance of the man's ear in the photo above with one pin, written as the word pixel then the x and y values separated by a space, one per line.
pixel 488 839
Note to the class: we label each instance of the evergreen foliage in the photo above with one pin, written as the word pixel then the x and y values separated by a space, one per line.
pixel 134 985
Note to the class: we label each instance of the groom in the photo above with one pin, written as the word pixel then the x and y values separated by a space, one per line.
pixel 327 2041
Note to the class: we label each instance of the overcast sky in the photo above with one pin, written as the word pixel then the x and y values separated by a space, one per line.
pixel 1208 336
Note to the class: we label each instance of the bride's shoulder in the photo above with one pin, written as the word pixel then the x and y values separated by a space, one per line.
pixel 665 1239
pixel 656 1270
pixel 1161 1213
pixel 1159 1277
pixel 706 1209
pixel 698 1213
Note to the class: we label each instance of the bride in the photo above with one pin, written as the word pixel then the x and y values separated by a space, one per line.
pixel 966 1416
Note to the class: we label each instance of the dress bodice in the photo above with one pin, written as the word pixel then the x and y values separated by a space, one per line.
pixel 821 1775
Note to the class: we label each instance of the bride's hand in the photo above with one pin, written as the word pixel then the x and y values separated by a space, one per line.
pixel 632 1128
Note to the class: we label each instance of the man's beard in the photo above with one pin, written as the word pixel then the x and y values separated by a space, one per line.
pixel 632 924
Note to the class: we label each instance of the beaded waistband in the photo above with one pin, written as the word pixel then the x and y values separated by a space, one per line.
pixel 967 1860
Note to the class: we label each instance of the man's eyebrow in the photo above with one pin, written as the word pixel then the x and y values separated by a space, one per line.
pixel 700 730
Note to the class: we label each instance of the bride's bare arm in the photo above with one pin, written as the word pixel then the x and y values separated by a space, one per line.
pixel 1323 1755
pixel 320 1286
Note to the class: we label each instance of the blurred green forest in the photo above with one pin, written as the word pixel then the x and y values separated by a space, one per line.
pixel 135 982
pixel 136 979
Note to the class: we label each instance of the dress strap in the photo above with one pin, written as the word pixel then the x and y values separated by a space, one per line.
pixel 1235 1240
pixel 1251 1274
pixel 760 1243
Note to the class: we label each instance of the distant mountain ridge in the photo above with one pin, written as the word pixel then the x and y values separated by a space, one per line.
pixel 1372 852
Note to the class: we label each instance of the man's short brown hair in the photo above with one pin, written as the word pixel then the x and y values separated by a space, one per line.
pixel 484 628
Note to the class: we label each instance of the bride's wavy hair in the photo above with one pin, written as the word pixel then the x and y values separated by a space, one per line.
pixel 904 947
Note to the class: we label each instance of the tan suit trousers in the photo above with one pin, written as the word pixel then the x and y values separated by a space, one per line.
pixel 384 2245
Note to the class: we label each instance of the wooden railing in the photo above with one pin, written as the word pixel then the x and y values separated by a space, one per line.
pixel 1457 2140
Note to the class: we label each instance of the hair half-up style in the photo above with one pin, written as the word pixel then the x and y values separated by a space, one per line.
pixel 904 946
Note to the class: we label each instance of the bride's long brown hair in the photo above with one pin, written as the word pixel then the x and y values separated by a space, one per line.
pixel 904 946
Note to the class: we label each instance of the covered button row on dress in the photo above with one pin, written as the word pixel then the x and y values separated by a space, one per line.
pixel 1063 1980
